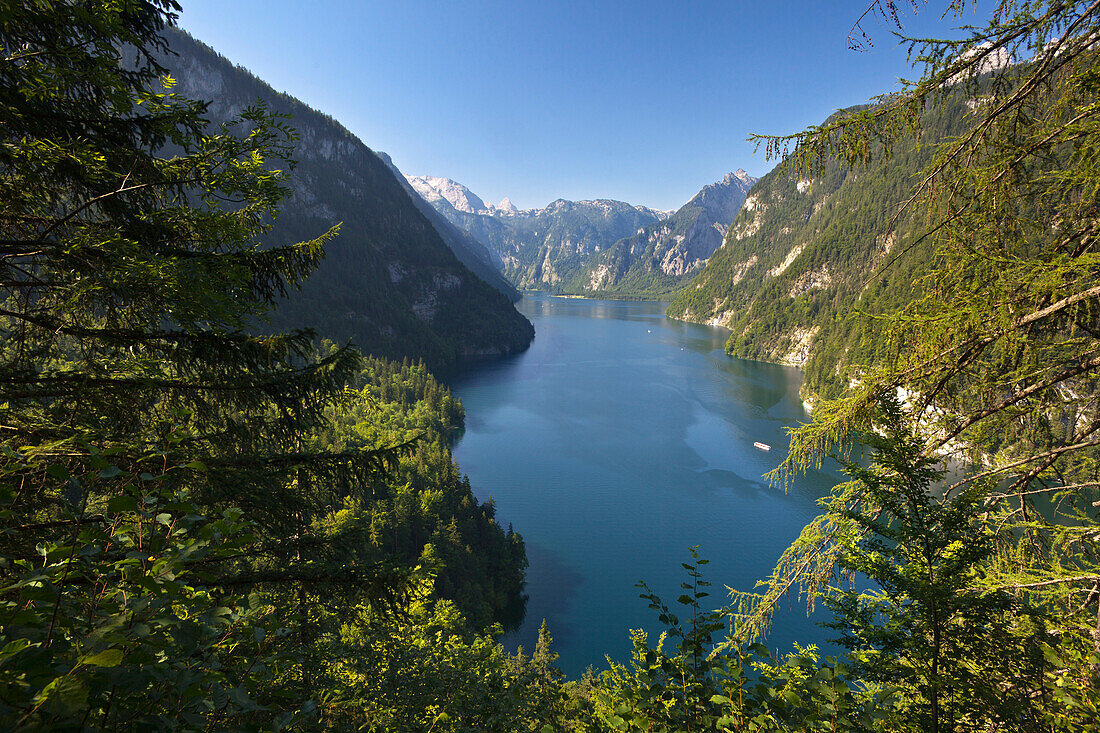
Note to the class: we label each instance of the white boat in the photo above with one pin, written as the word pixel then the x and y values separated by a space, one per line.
pixel 761 446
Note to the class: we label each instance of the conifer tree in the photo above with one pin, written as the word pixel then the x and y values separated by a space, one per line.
pixel 956 656
pixel 156 506
pixel 998 361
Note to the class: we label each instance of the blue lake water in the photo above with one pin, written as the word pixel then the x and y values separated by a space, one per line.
pixel 616 442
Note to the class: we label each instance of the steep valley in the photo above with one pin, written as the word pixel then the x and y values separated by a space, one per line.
pixel 600 248
pixel 394 281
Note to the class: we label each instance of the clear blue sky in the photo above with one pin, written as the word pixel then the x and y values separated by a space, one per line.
pixel 640 101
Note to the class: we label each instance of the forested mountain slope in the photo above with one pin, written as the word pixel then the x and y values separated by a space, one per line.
pixel 540 249
pixel 424 513
pixel 803 256
pixel 389 280
pixel 470 252
pixel 664 255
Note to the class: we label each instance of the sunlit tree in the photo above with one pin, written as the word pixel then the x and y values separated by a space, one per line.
pixel 997 361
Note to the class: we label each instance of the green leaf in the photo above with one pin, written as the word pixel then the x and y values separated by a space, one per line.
pixel 105 658
pixel 13 647
pixel 58 471
pixel 110 472
pixel 120 504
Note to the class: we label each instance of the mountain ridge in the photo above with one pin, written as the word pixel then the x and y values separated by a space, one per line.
pixel 436 189
pixel 805 254
pixel 389 281
pixel 583 247
pixel 469 251
pixel 660 259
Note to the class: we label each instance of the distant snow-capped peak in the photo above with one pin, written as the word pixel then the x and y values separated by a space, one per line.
pixel 436 189
pixel 463 199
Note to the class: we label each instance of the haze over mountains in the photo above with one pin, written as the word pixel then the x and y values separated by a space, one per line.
pixel 423 266
pixel 600 247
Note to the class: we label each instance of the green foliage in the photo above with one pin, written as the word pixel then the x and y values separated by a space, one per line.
pixel 108 625
pixel 423 511
pixel 982 613
pixel 811 255
pixel 961 657
pixel 970 197
pixel 204 529
pixel 420 670
pixel 161 529
pixel 931 646
pixel 424 669
pixel 670 692
pixel 707 686
pixel 999 356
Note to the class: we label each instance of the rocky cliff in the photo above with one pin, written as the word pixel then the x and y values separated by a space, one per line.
pixel 661 257
pixel 805 256
pixel 600 247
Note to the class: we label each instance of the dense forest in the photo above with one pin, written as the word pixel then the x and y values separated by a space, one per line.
pixel 203 527
pixel 805 255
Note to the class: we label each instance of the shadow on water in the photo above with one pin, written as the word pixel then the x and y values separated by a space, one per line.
pixel 553 588
pixel 477 369
pixel 718 479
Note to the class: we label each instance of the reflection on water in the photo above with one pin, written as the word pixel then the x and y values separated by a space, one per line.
pixel 616 442
pixel 557 583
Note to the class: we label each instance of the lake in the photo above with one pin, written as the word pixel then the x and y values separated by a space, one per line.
pixel 619 440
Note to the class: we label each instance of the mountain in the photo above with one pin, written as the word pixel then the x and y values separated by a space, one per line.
pixel 435 190
pixel 585 247
pixel 803 256
pixel 389 281
pixel 466 248
pixel 664 255
pixel 549 248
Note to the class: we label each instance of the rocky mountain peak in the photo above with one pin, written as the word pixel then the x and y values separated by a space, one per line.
pixel 433 189
pixel 741 176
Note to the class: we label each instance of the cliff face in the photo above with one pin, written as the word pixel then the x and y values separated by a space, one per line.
pixel 550 248
pixel 465 246
pixel 389 281
pixel 538 249
pixel 805 256
pixel 661 257
pixel 600 247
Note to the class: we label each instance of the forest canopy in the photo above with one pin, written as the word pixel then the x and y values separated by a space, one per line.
pixel 192 516
pixel 202 528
